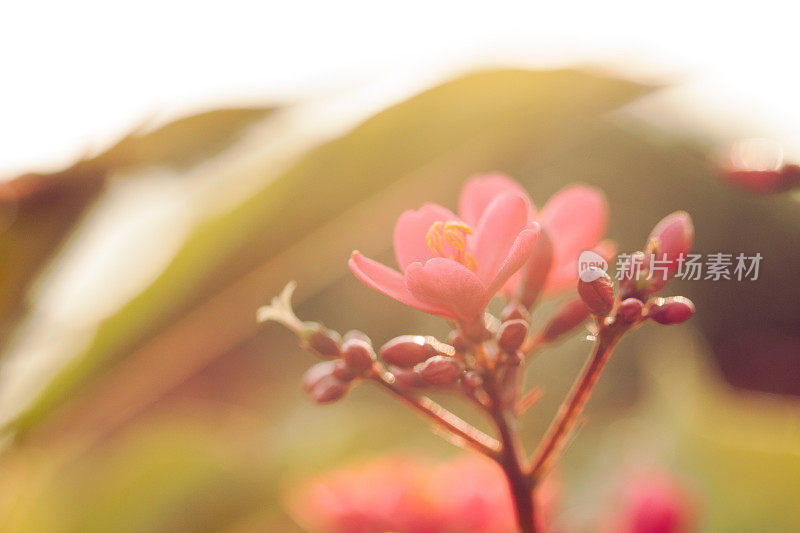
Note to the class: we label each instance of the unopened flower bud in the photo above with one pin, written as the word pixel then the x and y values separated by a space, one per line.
pixel 673 310
pixel 322 340
pixel 406 351
pixel 630 310
pixel 515 312
pixel 512 334
pixel 570 316
pixel 438 370
pixel 321 383
pixel 358 355
pixel 597 294
pixel 343 372
pixel 673 237
pixel 406 378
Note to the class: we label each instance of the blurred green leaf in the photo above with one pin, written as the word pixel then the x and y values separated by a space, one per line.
pixel 203 304
pixel 185 142
pixel 39 211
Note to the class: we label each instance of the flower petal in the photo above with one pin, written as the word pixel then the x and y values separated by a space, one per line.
pixel 410 230
pixel 520 252
pixel 501 223
pixel 391 283
pixel 576 218
pixel 479 192
pixel 448 284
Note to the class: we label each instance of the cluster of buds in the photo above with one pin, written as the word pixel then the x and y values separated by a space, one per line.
pixel 350 357
pixel 452 271
pixel 636 301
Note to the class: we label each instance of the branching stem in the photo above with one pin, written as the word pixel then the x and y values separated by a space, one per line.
pixel 444 419
pixel 573 405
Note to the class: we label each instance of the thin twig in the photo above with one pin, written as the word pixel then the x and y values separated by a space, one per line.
pixel 573 405
pixel 444 419
pixel 512 457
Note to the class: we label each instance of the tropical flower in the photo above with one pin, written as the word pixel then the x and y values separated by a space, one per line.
pixel 452 266
pixel 574 220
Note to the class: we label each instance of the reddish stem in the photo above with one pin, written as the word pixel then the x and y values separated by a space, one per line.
pixel 512 457
pixel 513 464
pixel 573 405
pixel 444 419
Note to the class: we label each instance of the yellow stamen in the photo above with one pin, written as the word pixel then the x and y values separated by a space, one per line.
pixel 454 233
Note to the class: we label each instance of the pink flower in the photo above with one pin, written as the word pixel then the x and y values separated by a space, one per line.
pixel 452 266
pixel 574 219
pixel 652 502
pixel 783 179
pixel 409 494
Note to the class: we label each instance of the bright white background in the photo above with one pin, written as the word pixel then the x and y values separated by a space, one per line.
pixel 75 75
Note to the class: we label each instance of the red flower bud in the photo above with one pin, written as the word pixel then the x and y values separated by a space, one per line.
pixel 358 355
pixel 672 310
pixel 570 316
pixel 406 378
pixel 342 372
pixel 438 370
pixel 321 383
pixel 674 235
pixel 406 351
pixel 630 310
pixel 322 340
pixel 512 334
pixel 597 294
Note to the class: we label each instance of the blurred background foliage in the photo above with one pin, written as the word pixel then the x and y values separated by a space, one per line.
pixel 181 414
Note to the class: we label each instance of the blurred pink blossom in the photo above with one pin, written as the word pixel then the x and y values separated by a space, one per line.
pixel 407 494
pixel 652 501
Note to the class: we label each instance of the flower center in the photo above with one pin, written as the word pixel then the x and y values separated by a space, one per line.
pixel 448 240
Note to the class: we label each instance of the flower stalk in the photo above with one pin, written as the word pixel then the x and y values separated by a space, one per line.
pixel 451 266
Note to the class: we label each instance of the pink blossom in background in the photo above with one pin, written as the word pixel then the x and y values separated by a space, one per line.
pixel 780 180
pixel 406 494
pixel 652 501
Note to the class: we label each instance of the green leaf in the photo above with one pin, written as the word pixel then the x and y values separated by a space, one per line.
pixel 420 150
